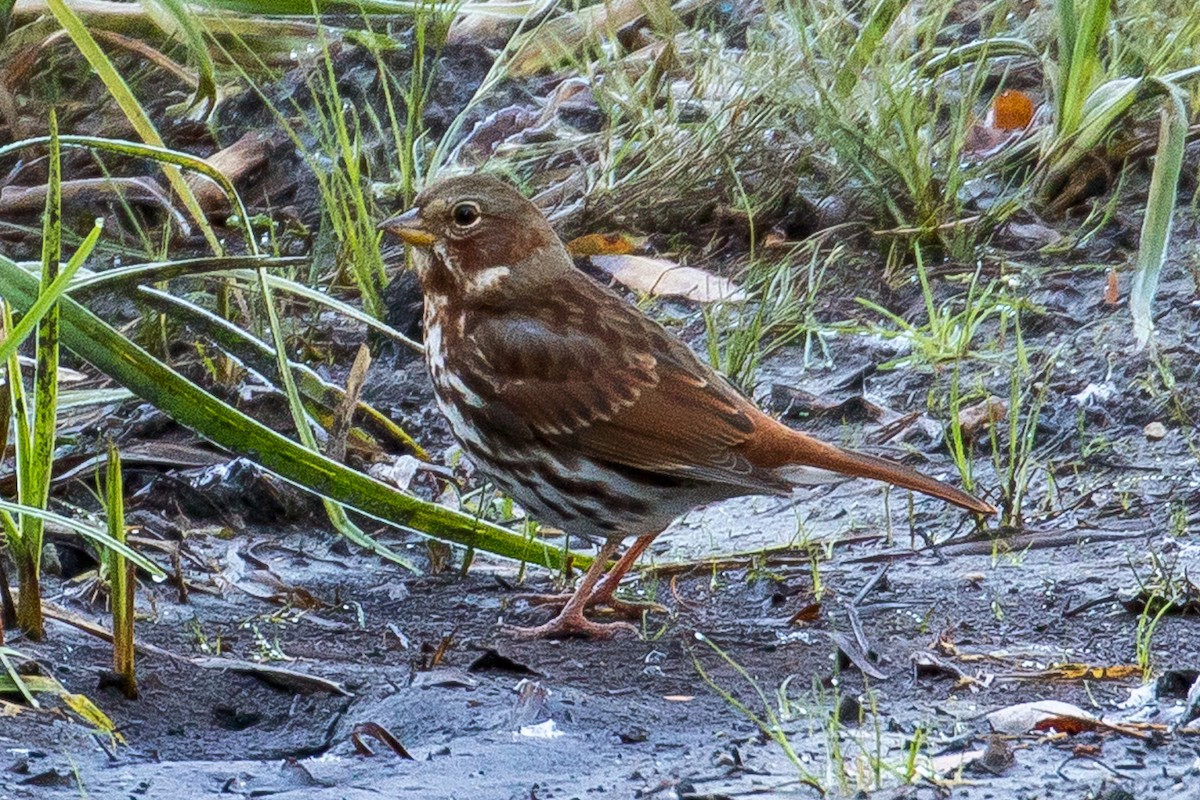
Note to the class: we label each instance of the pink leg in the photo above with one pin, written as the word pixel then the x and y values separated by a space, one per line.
pixel 570 621
pixel 605 592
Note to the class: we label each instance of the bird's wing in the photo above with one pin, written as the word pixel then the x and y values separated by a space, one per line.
pixel 618 388
pixel 613 386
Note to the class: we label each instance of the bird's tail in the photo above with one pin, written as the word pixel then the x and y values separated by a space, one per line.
pixel 799 459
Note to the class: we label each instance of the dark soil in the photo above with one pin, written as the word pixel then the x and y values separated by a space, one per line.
pixel 951 632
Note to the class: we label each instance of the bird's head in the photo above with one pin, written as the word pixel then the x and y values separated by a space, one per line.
pixel 478 239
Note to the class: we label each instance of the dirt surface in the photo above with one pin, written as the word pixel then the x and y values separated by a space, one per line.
pixel 908 627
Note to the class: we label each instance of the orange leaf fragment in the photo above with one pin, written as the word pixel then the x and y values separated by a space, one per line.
pixel 810 613
pixel 603 244
pixel 1068 725
pixel 1012 110
pixel 1075 672
pixel 1111 294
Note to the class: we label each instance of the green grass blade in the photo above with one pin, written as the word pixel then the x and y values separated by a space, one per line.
pixel 238 266
pixel 1160 209
pixel 872 33
pixel 260 357
pixel 84 398
pixel 156 271
pixel 48 297
pixel 317 296
pixel 156 151
pixel 174 16
pixel 305 8
pixel 336 513
pixel 35 488
pixel 121 577
pixel 16 681
pixel 95 534
pixel 96 342
pixel 77 29
pixel 980 50
pixel 1082 60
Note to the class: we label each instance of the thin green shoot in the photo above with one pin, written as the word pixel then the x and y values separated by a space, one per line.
pixel 122 578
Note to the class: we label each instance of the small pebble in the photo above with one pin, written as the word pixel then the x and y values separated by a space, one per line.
pixel 1155 431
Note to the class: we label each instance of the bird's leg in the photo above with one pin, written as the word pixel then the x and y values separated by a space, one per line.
pixel 605 592
pixel 604 595
pixel 570 620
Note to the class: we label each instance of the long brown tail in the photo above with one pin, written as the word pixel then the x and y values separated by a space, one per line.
pixel 776 446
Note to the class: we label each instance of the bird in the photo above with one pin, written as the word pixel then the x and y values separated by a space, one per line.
pixel 592 416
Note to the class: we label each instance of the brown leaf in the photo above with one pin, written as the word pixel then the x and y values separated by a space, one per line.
pixel 237 162
pixel 376 731
pixel 1068 725
pixel 1024 717
pixel 975 419
pixel 810 613
pixel 1112 295
pixel 1091 672
pixel 564 38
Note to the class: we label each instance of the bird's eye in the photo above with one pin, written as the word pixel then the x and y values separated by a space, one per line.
pixel 466 214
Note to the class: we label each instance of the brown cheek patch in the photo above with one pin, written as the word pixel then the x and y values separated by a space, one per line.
pixel 437 278
pixel 497 246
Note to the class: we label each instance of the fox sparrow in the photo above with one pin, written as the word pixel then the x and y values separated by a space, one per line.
pixel 592 416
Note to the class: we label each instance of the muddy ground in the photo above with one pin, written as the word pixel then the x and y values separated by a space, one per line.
pixel 872 632
pixel 956 623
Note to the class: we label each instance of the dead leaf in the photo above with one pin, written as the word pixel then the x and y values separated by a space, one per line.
pixel 287 679
pixel 997 757
pixel 89 193
pixel 952 762
pixel 849 405
pixel 1071 726
pixel 1011 110
pixel 479 27
pixel 604 244
pixel 856 656
pixel 659 277
pixel 1025 717
pixel 1112 295
pixel 237 162
pixel 1091 672
pixel 1009 116
pixel 1033 235
pixel 562 38
pixel 810 613
pixel 343 416
pixel 975 419
pixel 377 731
pixel 1155 431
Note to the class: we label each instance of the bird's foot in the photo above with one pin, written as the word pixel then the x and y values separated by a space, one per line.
pixel 627 609
pixel 567 625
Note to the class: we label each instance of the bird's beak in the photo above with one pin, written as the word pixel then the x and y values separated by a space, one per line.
pixel 408 227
